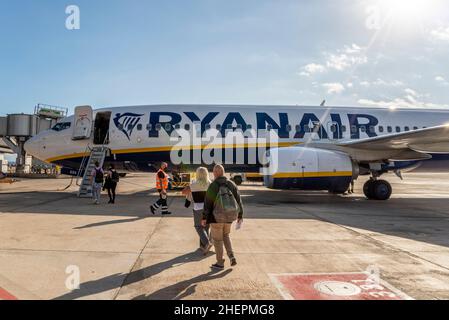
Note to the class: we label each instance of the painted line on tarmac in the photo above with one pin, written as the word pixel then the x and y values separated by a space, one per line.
pixel 5 295
pixel 335 286
pixel 7 287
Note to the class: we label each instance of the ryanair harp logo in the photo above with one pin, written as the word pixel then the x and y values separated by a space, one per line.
pixel 127 122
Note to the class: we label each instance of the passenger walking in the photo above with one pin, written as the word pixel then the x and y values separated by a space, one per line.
pixel 97 181
pixel 196 192
pixel 112 179
pixel 222 207
pixel 162 188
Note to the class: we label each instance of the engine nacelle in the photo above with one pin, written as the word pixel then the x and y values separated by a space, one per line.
pixel 309 169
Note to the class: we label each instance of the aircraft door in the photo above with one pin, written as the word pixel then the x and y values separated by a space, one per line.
pixel 82 128
pixel 101 127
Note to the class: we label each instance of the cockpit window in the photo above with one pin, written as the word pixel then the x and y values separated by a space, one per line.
pixel 61 126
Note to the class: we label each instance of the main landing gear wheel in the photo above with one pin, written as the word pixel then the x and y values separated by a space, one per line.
pixel 377 190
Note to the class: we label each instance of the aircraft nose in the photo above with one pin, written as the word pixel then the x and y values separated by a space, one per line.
pixel 33 146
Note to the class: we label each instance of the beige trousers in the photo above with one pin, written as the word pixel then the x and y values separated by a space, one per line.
pixel 219 233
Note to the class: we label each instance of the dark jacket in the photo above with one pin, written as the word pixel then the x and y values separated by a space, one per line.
pixel 211 196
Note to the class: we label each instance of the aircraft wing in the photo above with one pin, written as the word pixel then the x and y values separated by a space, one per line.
pixel 429 140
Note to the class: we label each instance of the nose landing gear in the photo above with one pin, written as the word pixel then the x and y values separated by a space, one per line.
pixel 377 189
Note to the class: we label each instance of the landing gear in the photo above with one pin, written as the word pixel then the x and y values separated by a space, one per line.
pixel 377 189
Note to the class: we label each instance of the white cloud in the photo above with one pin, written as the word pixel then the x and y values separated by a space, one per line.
pixel 412 99
pixel 345 58
pixel 441 33
pixel 394 83
pixel 312 68
pixel 441 80
pixel 365 84
pixel 381 82
pixel 334 87
pixel 411 92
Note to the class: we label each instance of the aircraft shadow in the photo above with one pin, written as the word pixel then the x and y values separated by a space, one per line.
pixel 416 218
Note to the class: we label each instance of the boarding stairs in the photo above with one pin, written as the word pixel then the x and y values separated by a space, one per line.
pixel 96 154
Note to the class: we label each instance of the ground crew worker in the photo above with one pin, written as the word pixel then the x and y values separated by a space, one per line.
pixel 162 187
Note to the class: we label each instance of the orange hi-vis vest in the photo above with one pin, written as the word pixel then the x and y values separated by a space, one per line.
pixel 161 184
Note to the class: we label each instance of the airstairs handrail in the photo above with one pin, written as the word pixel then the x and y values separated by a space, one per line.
pixel 83 164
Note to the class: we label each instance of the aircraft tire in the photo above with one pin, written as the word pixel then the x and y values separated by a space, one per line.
pixel 368 189
pixel 381 190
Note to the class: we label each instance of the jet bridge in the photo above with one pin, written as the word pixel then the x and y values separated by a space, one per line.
pixel 16 129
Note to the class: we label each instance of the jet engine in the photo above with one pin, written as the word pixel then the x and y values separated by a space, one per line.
pixel 309 169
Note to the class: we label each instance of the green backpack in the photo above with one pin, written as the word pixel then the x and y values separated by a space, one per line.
pixel 226 209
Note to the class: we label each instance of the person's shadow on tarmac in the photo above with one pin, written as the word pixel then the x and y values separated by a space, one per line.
pixel 119 280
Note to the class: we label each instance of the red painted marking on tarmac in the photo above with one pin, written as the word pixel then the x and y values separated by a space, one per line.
pixel 5 295
pixel 349 286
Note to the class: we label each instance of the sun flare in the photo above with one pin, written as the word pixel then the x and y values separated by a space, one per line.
pixel 410 10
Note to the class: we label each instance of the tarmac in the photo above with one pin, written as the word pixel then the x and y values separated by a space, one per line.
pixel 48 237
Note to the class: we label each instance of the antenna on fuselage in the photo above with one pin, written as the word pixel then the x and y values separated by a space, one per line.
pixel 323 103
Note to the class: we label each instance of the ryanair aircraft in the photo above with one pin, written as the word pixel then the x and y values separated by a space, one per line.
pixel 308 148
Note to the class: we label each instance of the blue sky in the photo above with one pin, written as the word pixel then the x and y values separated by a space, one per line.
pixel 367 53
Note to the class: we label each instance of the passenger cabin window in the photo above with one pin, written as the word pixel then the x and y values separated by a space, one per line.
pixel 187 127
pixel 343 128
pixel 158 127
pixel 389 129
pixel 381 129
pixel 415 128
pixel 398 129
pixel 177 126
pixel 218 127
pixel 249 126
pixel 288 128
pixel 363 129
pixel 407 128
pixel 61 126
pixel 353 129
pixel 139 127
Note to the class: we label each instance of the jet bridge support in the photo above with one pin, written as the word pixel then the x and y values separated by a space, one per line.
pixel 16 129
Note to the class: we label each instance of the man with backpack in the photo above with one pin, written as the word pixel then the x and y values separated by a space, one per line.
pixel 222 207
pixel 97 182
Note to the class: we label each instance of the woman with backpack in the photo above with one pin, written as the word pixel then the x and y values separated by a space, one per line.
pixel 112 178
pixel 196 193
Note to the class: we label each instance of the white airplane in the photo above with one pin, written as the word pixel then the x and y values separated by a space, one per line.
pixel 319 148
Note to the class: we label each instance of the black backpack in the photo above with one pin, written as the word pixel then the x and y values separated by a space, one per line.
pixel 99 175
pixel 115 177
